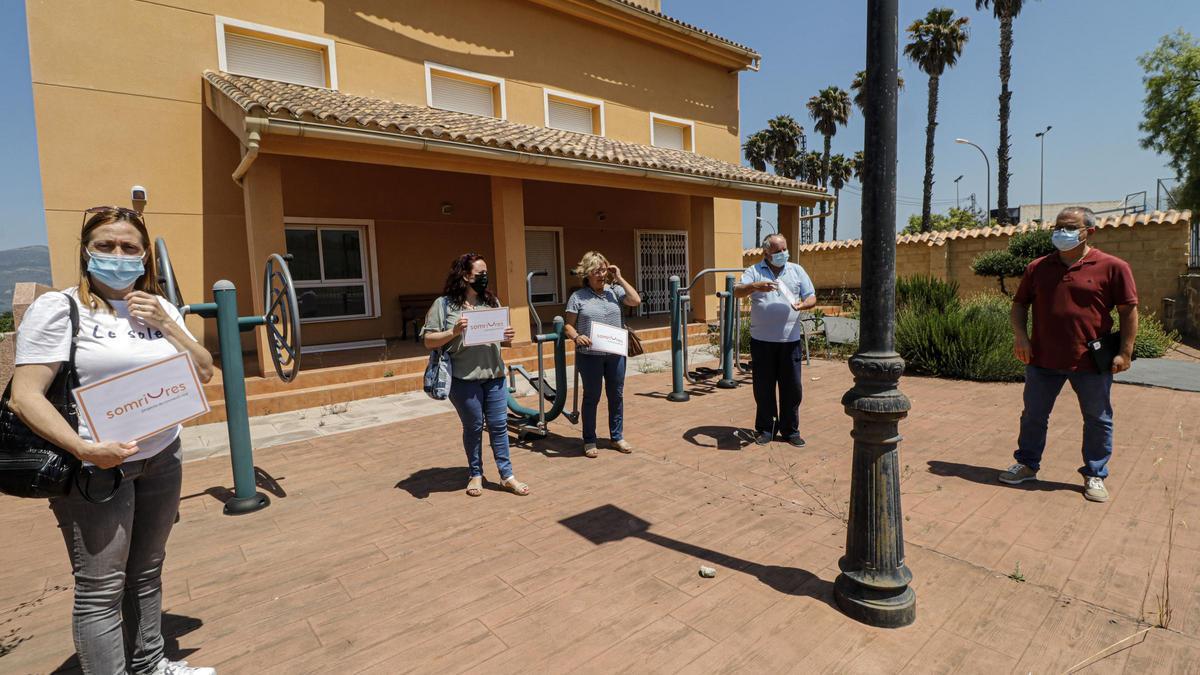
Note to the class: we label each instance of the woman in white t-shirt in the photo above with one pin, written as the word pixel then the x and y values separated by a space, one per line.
pixel 116 548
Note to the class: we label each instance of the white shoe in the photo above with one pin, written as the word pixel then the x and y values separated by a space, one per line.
pixel 166 667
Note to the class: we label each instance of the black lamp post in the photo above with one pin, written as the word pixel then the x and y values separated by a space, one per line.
pixel 873 586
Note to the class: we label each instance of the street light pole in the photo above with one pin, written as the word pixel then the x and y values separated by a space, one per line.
pixel 873 586
pixel 957 206
pixel 1042 177
pixel 987 206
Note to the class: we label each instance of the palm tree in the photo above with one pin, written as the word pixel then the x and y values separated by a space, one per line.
pixel 859 87
pixel 1005 11
pixel 785 141
pixel 756 150
pixel 840 170
pixel 830 108
pixel 935 44
pixel 859 164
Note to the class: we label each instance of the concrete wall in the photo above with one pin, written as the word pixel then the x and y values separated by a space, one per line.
pixel 118 102
pixel 1156 252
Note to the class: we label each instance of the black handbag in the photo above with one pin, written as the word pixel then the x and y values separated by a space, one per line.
pixel 31 466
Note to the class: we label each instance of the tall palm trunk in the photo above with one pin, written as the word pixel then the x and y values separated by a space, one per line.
pixel 837 210
pixel 825 183
pixel 930 126
pixel 757 223
pixel 1006 42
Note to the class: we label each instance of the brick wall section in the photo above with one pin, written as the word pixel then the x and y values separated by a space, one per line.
pixel 23 295
pixel 1187 310
pixel 1156 247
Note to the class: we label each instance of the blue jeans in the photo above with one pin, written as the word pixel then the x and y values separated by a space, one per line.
pixel 476 401
pixel 602 371
pixel 117 550
pixel 1092 389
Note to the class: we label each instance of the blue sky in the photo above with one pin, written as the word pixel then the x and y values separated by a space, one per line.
pixel 1075 67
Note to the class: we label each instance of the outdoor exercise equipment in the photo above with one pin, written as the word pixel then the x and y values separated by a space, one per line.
pixel 680 303
pixel 282 323
pixel 527 421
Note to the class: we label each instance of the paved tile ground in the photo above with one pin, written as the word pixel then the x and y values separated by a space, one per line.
pixel 375 561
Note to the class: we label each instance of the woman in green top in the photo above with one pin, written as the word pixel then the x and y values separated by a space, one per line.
pixel 477 387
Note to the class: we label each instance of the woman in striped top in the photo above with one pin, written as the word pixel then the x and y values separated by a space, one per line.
pixel 599 301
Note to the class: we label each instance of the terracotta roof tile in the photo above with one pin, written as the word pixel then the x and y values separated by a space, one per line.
pixel 296 102
pixel 940 238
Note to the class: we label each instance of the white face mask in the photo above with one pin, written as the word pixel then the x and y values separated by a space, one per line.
pixel 779 259
pixel 1065 240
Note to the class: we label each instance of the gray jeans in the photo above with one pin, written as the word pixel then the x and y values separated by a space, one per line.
pixel 117 551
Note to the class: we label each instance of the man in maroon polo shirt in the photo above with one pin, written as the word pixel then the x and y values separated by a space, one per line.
pixel 1073 293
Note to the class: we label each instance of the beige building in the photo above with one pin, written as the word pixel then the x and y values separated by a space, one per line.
pixel 375 140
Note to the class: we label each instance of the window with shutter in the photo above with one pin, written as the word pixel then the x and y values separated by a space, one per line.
pixel 450 93
pixel 669 136
pixel 570 116
pixel 255 50
pixel 541 254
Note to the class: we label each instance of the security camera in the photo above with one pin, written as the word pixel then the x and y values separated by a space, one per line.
pixel 137 193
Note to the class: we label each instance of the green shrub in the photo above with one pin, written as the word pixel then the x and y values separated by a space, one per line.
pixel 1153 339
pixel 969 340
pixel 6 322
pixel 1022 249
pixel 926 292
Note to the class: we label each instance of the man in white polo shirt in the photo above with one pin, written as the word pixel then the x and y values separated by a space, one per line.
pixel 779 290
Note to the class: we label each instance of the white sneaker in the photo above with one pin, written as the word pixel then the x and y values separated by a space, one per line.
pixel 166 667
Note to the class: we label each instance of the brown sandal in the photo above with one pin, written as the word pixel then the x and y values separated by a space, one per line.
pixel 589 450
pixel 624 446
pixel 515 486
pixel 475 486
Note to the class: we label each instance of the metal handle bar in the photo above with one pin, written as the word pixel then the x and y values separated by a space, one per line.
pixel 529 295
pixel 709 270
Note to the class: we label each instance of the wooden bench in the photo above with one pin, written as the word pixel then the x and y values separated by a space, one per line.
pixel 413 309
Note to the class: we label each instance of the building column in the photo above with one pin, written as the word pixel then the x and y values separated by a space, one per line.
pixel 702 253
pixel 508 241
pixel 789 227
pixel 262 192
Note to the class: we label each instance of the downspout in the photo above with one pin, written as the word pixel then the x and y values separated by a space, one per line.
pixel 255 128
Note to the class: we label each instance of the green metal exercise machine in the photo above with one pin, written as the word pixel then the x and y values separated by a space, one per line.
pixel 282 323
pixel 680 300
pixel 526 421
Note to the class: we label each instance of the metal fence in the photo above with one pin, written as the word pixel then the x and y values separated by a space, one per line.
pixel 1194 246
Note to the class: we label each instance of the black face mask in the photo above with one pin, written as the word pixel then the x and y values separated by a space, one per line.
pixel 481 283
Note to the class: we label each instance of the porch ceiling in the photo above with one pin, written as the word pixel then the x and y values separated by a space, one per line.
pixel 251 106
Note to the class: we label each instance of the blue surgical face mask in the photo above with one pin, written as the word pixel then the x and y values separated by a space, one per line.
pixel 118 272
pixel 1065 240
pixel 779 259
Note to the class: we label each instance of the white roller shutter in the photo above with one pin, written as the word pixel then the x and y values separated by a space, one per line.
pixel 451 93
pixel 570 116
pixel 669 136
pixel 245 55
pixel 541 254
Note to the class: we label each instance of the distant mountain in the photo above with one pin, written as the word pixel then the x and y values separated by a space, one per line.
pixel 28 263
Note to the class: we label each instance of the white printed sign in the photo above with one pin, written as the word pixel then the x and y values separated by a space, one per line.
pixel 609 340
pixel 141 402
pixel 786 292
pixel 485 326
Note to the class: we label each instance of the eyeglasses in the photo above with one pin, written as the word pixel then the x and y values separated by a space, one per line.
pixel 124 213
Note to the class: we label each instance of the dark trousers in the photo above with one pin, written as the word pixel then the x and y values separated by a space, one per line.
pixel 777 366
pixel 607 372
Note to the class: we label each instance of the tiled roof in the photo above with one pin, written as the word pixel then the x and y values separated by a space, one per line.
pixel 325 106
pixel 940 238
pixel 684 24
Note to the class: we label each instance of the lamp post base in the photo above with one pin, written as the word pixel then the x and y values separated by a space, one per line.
pixel 875 607
pixel 238 506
